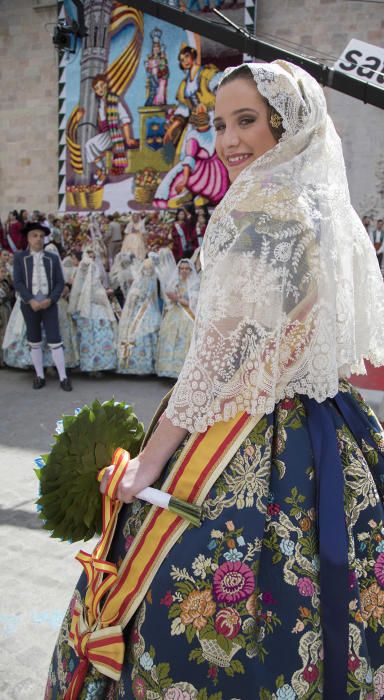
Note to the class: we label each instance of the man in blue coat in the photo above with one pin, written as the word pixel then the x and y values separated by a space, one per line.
pixel 39 281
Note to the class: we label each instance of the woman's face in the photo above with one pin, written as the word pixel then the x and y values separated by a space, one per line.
pixel 241 124
pixel 186 61
pixel 184 271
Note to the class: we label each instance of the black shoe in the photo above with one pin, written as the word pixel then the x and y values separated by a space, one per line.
pixel 66 384
pixel 38 382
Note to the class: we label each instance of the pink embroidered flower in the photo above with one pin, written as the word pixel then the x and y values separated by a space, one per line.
pixel 352 579
pixel 311 673
pixel 288 404
pixel 305 586
pixel 212 672
pixel 232 582
pixel 378 684
pixel 167 600
pixel 139 688
pixel 128 542
pixel 353 663
pixel 379 570
pixel 273 509
pixel 228 622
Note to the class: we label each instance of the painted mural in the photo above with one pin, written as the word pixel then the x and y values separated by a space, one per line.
pixel 139 102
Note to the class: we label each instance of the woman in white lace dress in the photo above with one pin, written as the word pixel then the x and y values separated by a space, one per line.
pixel 280 593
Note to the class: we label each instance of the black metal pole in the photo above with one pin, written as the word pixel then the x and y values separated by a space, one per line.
pixel 263 50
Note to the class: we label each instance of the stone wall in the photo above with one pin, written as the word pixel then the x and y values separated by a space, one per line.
pixel 323 28
pixel 28 106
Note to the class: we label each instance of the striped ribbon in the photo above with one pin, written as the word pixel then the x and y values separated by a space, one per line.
pixel 103 648
pixel 199 465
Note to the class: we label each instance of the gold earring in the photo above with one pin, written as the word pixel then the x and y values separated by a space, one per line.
pixel 275 120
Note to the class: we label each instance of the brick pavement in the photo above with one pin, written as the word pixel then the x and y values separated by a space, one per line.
pixel 37 573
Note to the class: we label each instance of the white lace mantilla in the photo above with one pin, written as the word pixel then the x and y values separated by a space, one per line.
pixel 291 297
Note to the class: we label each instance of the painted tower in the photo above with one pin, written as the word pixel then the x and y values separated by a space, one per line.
pixel 94 60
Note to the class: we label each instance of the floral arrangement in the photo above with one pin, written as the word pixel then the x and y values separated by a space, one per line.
pixel 70 502
pixel 149 178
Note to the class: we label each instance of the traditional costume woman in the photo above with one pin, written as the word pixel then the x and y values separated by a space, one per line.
pixel 139 324
pixel 6 300
pixel 123 271
pixel 165 270
pixel 95 321
pixel 177 321
pixel 134 237
pixel 280 593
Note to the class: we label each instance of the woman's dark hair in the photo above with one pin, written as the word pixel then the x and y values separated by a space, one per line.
pixel 187 51
pixel 245 73
pixel 76 254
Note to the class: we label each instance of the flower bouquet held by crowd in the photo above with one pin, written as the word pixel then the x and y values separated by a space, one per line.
pixel 97 436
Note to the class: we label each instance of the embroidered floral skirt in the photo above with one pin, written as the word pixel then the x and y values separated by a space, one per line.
pixel 97 344
pixel 234 611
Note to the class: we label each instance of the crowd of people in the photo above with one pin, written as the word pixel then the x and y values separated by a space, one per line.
pixel 130 290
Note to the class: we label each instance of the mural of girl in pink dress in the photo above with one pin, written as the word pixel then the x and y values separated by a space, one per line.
pixel 199 176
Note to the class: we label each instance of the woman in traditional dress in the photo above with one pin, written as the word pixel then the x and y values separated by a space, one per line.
pixel 139 324
pixel 280 593
pixel 122 273
pixel 134 237
pixel 95 321
pixel 7 298
pixel 184 242
pixel 178 318
pixel 165 270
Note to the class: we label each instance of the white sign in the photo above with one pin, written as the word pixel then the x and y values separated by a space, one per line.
pixel 364 61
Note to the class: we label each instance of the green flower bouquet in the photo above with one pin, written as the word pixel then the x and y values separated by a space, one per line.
pixel 70 503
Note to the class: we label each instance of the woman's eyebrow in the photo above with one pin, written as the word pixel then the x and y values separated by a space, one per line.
pixel 237 111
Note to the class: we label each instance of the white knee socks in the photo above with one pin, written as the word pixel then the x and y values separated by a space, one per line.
pixel 58 358
pixel 37 360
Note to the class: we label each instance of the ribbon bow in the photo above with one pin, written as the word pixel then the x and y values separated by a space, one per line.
pixel 103 648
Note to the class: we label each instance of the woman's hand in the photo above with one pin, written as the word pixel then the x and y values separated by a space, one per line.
pixel 137 476
pixel 144 470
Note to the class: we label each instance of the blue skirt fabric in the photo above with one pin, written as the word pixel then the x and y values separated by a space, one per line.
pixel 97 344
pixel 280 593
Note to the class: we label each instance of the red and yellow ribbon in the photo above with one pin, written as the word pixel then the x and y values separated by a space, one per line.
pixel 103 648
pixel 96 632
